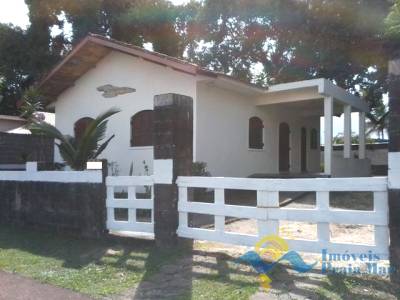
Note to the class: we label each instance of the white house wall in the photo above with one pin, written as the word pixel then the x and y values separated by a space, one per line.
pixel 276 115
pixel 220 118
pixel 149 79
pixel 222 134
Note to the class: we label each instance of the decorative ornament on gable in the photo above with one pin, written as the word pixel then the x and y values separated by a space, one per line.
pixel 111 91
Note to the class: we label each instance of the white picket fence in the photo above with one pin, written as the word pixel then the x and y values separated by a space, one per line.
pixel 268 213
pixel 132 203
pixel 32 174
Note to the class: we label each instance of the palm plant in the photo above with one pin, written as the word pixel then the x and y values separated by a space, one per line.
pixel 31 104
pixel 76 152
pixel 378 120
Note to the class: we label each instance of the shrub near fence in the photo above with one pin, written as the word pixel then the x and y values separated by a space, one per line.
pixel 71 202
pixel 19 148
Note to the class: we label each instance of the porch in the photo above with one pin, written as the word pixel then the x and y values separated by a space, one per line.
pixel 298 107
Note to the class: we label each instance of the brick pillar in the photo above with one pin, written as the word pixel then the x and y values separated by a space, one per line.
pixel 394 166
pixel 173 157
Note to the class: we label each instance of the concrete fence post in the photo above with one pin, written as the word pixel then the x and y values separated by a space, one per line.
pixel 31 166
pixel 173 157
pixel 394 166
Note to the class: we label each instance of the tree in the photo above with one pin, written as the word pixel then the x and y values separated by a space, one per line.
pixel 131 21
pixel 26 55
pixel 77 152
pixel 393 34
pixel 291 40
pixel 12 67
pixel 287 40
pixel 355 139
pixel 378 121
pixel 392 22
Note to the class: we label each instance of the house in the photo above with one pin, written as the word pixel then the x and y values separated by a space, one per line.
pixel 9 123
pixel 239 129
pixel 18 145
pixel 17 125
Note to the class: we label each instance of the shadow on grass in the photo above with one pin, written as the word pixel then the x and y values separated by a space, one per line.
pixel 95 267
pixel 179 273
pixel 74 252
pixel 314 285
pixel 198 275
pixel 216 275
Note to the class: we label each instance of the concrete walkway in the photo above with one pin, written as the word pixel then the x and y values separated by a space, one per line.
pixel 15 287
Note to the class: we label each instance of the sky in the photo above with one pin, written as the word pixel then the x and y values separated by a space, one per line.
pixel 16 12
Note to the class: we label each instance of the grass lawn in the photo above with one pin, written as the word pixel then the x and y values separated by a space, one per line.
pixel 106 268
pixel 96 268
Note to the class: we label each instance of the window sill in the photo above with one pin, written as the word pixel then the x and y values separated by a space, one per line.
pixel 256 150
pixel 141 148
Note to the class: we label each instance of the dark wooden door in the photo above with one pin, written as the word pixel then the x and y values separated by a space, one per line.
pixel 303 150
pixel 284 147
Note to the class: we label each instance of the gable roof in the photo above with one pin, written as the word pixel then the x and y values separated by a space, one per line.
pixel 93 48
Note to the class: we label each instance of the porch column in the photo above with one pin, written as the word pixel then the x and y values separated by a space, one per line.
pixel 328 115
pixel 361 136
pixel 347 132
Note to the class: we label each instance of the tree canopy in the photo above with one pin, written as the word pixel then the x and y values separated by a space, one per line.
pixel 260 41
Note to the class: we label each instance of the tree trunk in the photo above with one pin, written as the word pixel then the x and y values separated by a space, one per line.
pixel 394 157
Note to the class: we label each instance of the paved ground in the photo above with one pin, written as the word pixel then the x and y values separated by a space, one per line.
pixel 15 287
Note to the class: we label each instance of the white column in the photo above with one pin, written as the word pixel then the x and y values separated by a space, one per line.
pixel 361 136
pixel 328 134
pixel 347 132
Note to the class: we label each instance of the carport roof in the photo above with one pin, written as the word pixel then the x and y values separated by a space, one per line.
pixel 309 90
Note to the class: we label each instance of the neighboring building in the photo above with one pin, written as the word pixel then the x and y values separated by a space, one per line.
pixel 18 145
pixel 377 153
pixel 16 125
pixel 9 123
pixel 239 129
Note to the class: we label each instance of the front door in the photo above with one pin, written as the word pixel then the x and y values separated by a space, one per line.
pixel 303 150
pixel 284 147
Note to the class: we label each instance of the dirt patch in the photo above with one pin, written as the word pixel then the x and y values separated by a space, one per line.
pixel 354 234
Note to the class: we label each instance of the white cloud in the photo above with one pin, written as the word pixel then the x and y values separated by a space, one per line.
pixel 15 12
pixel 179 2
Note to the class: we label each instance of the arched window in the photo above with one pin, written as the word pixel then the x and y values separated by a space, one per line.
pixel 142 129
pixel 256 129
pixel 314 139
pixel 80 127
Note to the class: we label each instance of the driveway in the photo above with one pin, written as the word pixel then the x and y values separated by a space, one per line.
pixel 15 287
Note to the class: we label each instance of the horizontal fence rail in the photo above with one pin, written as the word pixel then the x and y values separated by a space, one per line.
pixel 131 202
pixel 268 213
pixel 33 175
